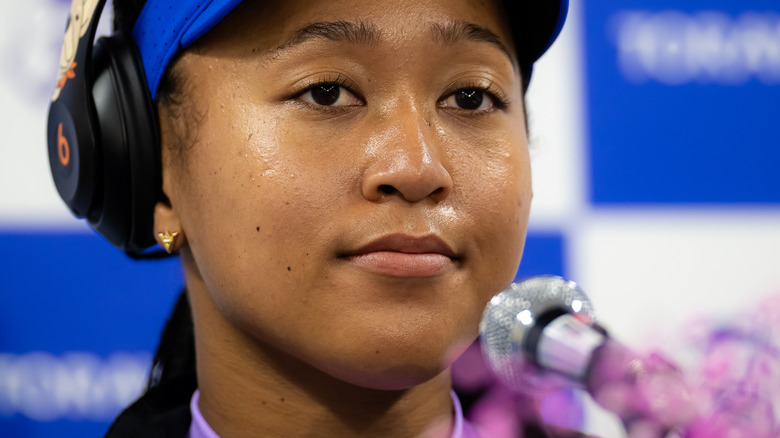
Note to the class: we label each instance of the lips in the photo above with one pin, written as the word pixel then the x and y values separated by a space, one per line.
pixel 401 255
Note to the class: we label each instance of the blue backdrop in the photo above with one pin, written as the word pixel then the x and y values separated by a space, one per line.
pixel 683 100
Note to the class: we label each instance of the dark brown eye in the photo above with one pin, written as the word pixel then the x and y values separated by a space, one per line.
pixel 325 94
pixel 469 99
pixel 329 94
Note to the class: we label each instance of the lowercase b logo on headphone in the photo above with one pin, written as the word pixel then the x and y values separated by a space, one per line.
pixel 103 137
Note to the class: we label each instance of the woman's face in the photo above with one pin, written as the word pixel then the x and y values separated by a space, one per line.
pixel 352 179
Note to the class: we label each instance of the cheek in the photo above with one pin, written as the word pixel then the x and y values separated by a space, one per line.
pixel 258 198
pixel 497 195
pixel 236 191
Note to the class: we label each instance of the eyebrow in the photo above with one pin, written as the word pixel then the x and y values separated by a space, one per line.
pixel 361 33
pixel 452 32
pixel 358 33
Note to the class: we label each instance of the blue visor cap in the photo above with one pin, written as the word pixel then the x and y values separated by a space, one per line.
pixel 164 27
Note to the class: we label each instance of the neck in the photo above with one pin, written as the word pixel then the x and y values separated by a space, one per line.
pixel 248 388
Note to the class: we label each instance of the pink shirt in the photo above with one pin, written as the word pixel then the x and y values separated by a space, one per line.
pixel 200 429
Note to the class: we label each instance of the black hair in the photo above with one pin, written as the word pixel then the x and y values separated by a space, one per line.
pixel 175 355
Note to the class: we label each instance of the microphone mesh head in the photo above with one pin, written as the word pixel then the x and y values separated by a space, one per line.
pixel 512 314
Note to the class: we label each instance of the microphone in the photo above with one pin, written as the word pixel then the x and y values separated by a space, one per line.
pixel 541 334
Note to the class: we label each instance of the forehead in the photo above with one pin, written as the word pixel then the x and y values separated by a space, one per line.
pixel 272 27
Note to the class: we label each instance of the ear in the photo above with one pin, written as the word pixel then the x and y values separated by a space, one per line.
pixel 167 228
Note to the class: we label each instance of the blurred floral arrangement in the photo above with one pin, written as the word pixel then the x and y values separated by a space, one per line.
pixel 730 371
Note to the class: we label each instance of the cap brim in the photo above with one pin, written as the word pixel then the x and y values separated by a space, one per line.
pixel 535 26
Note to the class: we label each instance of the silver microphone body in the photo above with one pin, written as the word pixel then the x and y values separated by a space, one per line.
pixel 540 333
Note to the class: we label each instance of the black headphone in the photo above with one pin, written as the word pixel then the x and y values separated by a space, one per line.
pixel 103 134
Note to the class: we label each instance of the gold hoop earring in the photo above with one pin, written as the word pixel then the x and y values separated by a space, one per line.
pixel 168 240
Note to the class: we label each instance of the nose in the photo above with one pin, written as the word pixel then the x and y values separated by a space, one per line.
pixel 407 164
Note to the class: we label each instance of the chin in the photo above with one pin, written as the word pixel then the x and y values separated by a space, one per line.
pixel 387 377
pixel 398 367
pixel 392 379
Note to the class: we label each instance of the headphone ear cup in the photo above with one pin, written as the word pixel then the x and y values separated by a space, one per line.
pixel 129 146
